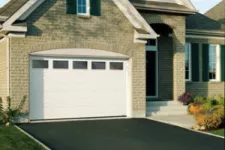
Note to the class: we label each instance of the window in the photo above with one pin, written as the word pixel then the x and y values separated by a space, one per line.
pixel 188 62
pixel 83 7
pixel 214 63
pixel 151 42
pixel 60 64
pixel 40 64
pixel 116 66
pixel 151 45
pixel 80 65
pixel 98 65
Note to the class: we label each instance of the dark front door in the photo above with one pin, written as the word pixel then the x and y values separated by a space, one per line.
pixel 151 79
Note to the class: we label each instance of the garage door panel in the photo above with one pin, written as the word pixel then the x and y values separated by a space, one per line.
pixel 71 93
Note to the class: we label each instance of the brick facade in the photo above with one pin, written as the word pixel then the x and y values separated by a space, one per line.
pixel 49 27
pixel 174 55
pixel 206 89
pixel 3 70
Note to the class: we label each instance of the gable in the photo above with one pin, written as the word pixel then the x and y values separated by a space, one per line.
pixel 218 12
pixel 138 23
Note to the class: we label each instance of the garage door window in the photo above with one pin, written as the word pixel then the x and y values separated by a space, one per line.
pixel 80 65
pixel 98 65
pixel 60 64
pixel 40 64
pixel 116 66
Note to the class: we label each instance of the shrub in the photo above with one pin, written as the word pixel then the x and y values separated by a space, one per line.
pixel 199 100
pixel 1 110
pixel 212 121
pixel 196 109
pixel 220 112
pixel 186 98
pixel 209 120
pixel 10 114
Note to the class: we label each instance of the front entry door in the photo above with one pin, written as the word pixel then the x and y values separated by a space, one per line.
pixel 151 74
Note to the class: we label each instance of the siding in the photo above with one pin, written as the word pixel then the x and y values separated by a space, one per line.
pixel 3 70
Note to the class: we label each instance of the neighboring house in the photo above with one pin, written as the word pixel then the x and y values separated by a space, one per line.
pixel 100 58
pixel 218 12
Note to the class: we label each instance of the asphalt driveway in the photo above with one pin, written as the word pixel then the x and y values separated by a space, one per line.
pixel 125 134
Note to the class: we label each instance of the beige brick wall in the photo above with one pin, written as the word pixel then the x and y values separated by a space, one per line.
pixel 49 27
pixel 177 23
pixel 206 89
pixel 3 69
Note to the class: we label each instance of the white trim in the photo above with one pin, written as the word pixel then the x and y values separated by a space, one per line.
pixel 20 35
pixel 8 24
pixel 129 90
pixel 155 49
pixel 81 53
pixel 87 9
pixel 135 17
pixel 218 64
pixel 8 66
pixel 205 37
pixel 190 63
pixel 31 9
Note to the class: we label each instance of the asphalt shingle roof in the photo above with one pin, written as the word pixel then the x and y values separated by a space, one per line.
pixel 161 5
pixel 217 12
pixel 202 22
pixel 11 7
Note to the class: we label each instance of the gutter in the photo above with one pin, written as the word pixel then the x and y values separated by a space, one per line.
pixel 205 32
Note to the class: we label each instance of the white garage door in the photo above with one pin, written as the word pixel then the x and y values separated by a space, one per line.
pixel 77 88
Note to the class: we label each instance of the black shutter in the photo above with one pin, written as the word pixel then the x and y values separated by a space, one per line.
pixel 95 7
pixel 205 62
pixel 195 61
pixel 71 6
pixel 223 62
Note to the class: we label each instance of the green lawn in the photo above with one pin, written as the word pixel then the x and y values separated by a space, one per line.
pixel 13 139
pixel 218 132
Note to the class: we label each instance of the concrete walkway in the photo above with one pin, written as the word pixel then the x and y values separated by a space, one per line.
pixel 186 121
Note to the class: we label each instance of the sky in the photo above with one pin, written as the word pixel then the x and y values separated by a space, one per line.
pixel 201 5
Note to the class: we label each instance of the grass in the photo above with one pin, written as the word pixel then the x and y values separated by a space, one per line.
pixel 13 139
pixel 218 132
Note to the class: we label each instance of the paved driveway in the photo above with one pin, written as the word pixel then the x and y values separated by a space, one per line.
pixel 137 134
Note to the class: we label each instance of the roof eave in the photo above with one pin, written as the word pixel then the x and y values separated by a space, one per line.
pixel 205 32
pixel 166 10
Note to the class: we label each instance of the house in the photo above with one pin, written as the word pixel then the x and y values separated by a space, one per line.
pixel 218 12
pixel 106 58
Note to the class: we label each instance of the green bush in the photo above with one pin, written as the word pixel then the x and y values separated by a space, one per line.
pixel 1 110
pixel 9 115
pixel 211 115
pixel 199 100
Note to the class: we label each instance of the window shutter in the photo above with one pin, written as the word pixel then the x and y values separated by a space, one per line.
pixel 223 62
pixel 205 62
pixel 95 7
pixel 71 6
pixel 195 62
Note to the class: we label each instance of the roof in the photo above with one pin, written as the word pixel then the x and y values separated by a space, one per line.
pixel 11 7
pixel 201 22
pixel 218 12
pixel 162 5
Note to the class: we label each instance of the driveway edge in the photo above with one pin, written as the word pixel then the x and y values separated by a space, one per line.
pixel 33 138
pixel 181 126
